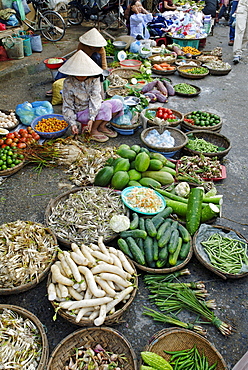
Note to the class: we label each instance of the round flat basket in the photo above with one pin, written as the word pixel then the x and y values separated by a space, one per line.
pixel 167 270
pixel 176 339
pixel 189 127
pixel 211 137
pixel 192 62
pixel 185 95
pixel 41 276
pixel 111 319
pixel 127 73
pixel 182 70
pixel 111 340
pixel 7 112
pixel 219 72
pixel 170 59
pixel 179 137
pixel 26 315
pixel 168 124
pixel 77 235
pixel 125 81
pixel 126 127
pixel 203 257
pixel 122 91
pixel 11 171
pixel 165 72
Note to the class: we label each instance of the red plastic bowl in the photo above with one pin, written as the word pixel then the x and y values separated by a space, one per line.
pixel 54 65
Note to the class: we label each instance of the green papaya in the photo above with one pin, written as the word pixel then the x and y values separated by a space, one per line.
pixel 104 176
pixel 134 175
pixel 142 162
pixel 122 165
pixel 155 165
pixel 119 180
pixel 126 153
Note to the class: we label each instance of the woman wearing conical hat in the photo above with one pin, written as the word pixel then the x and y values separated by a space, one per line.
pixel 82 99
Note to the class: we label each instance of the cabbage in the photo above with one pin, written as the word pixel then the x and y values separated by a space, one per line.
pixel 119 223
pixel 54 60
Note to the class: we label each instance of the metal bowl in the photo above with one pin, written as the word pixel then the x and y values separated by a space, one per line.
pixel 119 45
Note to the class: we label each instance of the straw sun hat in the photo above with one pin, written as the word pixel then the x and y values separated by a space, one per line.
pixel 80 64
pixel 93 38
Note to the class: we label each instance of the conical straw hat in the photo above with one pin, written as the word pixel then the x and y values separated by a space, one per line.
pixel 80 64
pixel 93 38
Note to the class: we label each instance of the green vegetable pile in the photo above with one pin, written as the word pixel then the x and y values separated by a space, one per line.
pixel 201 145
pixel 109 48
pixel 201 118
pixel 9 158
pixel 195 70
pixel 184 88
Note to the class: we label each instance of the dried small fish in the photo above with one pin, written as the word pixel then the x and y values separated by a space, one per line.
pixel 20 342
pixel 85 214
pixel 26 248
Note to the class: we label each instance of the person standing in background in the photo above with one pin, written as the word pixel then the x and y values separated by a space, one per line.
pixel 231 20
pixel 241 30
pixel 210 8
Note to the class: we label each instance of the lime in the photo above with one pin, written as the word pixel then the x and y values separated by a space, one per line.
pixel 4 167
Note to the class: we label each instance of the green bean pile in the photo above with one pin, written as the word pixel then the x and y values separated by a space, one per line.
pixel 185 88
pixel 189 359
pixel 195 70
pixel 201 145
pixel 226 254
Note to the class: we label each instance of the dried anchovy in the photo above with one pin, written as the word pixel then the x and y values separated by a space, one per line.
pixel 20 342
pixel 85 215
pixel 26 249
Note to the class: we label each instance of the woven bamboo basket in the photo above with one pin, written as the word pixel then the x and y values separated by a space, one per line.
pixel 185 95
pixel 181 70
pixel 53 203
pixel 125 81
pixel 127 73
pixel 153 59
pixel 122 91
pixel 213 138
pixel 111 319
pixel 219 72
pixel 42 364
pixel 11 171
pixel 38 279
pixel 111 340
pixel 188 127
pixel 204 260
pixel 124 127
pixel 7 112
pixel 175 339
pixel 164 72
pixel 170 124
pixel 179 137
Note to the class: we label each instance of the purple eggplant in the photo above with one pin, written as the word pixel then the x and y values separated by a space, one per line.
pixel 160 97
pixel 149 86
pixel 151 96
pixel 162 88
pixel 169 87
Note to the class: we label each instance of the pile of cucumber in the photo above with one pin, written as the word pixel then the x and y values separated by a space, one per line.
pixel 157 242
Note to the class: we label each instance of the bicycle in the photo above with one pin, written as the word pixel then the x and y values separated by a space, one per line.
pixel 48 22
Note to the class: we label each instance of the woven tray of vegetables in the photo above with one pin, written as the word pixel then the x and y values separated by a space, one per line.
pixel 92 284
pixel 222 250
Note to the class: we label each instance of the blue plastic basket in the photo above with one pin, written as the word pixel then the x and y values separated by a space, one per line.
pixel 186 42
pixel 49 135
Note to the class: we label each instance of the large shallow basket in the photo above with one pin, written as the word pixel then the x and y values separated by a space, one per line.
pixel 185 126
pixel 213 138
pixel 175 339
pixel 39 278
pixel 171 59
pixel 122 91
pixel 186 95
pixel 11 171
pixel 127 73
pixel 182 72
pixel 111 319
pixel 178 114
pixel 53 203
pixel 164 72
pixel 219 72
pixel 110 339
pixel 28 315
pixel 203 258
pixel 179 137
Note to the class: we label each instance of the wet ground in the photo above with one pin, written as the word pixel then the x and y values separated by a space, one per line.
pixel 25 195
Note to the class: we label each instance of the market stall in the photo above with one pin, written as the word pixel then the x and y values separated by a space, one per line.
pixel 159 167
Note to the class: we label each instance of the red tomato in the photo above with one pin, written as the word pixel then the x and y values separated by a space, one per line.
pixel 21 145
pixel 22 140
pixel 29 128
pixel 16 133
pixel 22 131
pixel 1 141
pixel 13 145
pixel 36 137
pixel 8 141
pixel 3 146
pixel 16 139
pixel 10 135
pixel 160 115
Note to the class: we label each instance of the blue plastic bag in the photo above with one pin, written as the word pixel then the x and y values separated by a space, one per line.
pixel 27 112
pixel 135 47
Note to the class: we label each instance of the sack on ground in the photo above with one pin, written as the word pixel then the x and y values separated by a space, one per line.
pixel 56 89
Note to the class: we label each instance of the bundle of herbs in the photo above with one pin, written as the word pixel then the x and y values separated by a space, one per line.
pixel 174 297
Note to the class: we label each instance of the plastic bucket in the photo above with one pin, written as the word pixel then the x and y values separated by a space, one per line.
pixel 36 43
pixel 13 47
pixel 26 45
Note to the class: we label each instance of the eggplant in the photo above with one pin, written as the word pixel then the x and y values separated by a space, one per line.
pixel 160 97
pixel 148 87
pixel 169 87
pixel 151 96
pixel 162 88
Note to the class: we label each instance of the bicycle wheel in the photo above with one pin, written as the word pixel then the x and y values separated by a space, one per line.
pixel 75 15
pixel 52 25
